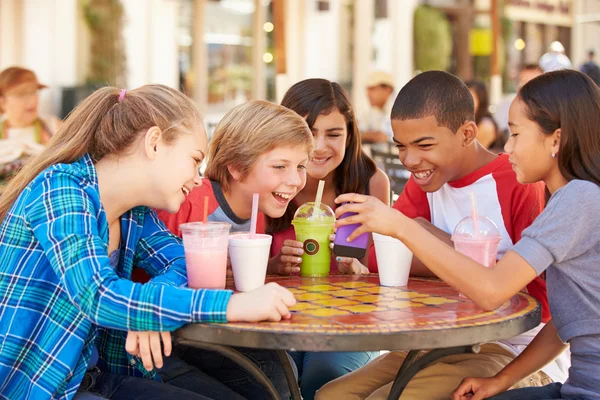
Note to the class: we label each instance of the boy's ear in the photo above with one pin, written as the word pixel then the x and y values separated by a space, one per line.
pixel 234 172
pixel 468 132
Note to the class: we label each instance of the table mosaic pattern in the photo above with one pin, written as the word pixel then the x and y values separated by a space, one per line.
pixel 343 304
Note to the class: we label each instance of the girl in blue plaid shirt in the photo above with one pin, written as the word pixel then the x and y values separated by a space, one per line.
pixel 75 221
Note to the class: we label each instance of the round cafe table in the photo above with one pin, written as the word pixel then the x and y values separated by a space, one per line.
pixel 355 313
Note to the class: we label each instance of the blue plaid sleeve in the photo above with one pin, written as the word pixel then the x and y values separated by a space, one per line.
pixel 160 253
pixel 63 215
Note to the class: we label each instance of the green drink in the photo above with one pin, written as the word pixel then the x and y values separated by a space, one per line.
pixel 313 227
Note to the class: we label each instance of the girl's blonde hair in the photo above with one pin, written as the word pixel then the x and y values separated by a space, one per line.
pixel 103 125
pixel 248 131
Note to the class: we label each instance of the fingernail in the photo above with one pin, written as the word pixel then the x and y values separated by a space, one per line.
pixel 339 259
pixel 299 260
pixel 299 251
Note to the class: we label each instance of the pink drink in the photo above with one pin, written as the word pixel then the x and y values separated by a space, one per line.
pixel 205 246
pixel 206 269
pixel 484 249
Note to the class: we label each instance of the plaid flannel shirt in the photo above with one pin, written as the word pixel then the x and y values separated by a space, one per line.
pixel 59 294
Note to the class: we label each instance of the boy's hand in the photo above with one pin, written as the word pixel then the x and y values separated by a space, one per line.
pixel 270 302
pixel 146 345
pixel 479 388
pixel 371 213
pixel 352 266
pixel 288 260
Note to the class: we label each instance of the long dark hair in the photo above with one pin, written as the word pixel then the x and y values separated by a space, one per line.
pixel 570 101
pixel 311 98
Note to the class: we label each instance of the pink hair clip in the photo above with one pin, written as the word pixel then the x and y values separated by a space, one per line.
pixel 122 95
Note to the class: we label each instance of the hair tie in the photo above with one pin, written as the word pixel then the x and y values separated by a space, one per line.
pixel 122 95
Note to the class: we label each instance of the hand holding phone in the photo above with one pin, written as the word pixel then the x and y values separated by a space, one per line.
pixel 356 248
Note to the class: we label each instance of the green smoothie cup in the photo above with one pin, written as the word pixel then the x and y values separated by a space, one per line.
pixel 313 226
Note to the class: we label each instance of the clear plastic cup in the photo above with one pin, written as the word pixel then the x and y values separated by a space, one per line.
pixel 313 227
pixel 393 260
pixel 206 253
pixel 249 260
pixel 481 246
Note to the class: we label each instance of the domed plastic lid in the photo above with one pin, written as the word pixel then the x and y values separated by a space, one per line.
pixel 308 211
pixel 484 228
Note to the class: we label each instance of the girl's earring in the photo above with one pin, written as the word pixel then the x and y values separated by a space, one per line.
pixel 553 155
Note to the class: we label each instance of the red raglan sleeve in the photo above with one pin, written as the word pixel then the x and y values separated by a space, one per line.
pixel 412 203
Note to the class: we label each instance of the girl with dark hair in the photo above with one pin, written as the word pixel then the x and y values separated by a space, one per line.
pixel 339 160
pixel 555 131
pixel 487 129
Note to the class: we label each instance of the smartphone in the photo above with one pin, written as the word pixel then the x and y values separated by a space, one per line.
pixel 356 248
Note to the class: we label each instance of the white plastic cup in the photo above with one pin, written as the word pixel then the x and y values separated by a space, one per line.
pixel 393 259
pixel 249 260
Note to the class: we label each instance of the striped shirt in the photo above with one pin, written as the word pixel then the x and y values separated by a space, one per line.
pixel 59 295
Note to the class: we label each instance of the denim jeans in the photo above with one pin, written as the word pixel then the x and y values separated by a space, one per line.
pixel 191 373
pixel 184 382
pixel 548 392
pixel 234 376
pixel 315 369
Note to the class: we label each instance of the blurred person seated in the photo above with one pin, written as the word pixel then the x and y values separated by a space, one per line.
pixel 555 58
pixel 375 125
pixel 487 130
pixel 526 73
pixel 590 68
pixel 23 133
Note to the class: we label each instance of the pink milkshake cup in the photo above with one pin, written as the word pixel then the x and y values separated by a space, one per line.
pixel 206 253
pixel 481 245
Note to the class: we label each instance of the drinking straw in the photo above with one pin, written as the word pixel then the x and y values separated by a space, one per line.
pixel 205 216
pixel 254 216
pixel 474 215
pixel 317 208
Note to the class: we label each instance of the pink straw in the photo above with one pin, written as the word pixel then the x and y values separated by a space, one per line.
pixel 254 215
pixel 205 216
pixel 474 215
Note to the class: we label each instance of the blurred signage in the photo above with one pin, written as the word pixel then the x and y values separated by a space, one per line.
pixel 549 12
pixel 480 42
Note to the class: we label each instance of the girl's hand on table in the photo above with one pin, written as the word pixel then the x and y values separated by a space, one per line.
pixel 352 266
pixel 288 260
pixel 146 345
pixel 371 214
pixel 348 265
pixel 270 302
pixel 479 388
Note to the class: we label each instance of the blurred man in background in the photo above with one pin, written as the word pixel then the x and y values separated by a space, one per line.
pixel 375 126
pixel 591 69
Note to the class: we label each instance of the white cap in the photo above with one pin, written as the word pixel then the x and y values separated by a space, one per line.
pixel 377 78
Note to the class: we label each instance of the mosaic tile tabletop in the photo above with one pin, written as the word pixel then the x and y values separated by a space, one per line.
pixel 343 304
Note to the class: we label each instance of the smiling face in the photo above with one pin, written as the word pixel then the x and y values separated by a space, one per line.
pixel 530 150
pixel 277 177
pixel 175 169
pixel 330 136
pixel 20 104
pixel 430 152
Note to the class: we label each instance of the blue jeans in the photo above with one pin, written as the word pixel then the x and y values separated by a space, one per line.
pixel 548 392
pixel 235 377
pixel 182 382
pixel 315 369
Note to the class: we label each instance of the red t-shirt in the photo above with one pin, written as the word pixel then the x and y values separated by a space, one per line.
pixel 500 197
